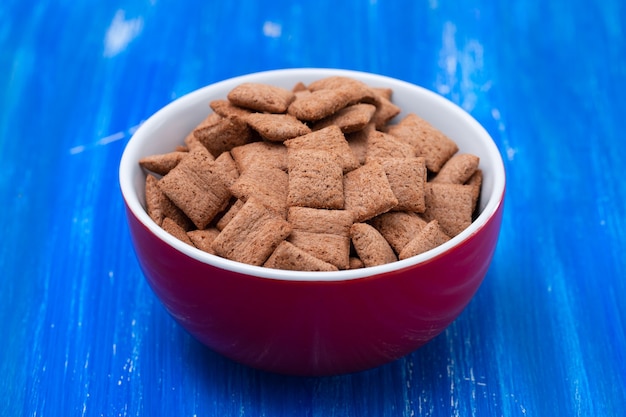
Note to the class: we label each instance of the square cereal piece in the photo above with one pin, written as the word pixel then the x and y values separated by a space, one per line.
pixel 385 111
pixel 252 235
pixel 331 248
pixel 357 91
pixel 358 142
pixel 263 154
pixel 163 163
pixel 328 139
pixel 196 187
pixel 171 227
pixel 356 263
pixel 220 134
pixel 299 87
pixel 229 214
pixel 289 257
pixel 158 206
pixel 398 227
pixel 203 239
pixel 349 119
pixel 451 205
pixel 227 168
pixel 192 143
pixel 277 127
pixel 261 97
pixel 336 222
pixel 315 179
pixel 458 169
pixel 476 182
pixel 428 141
pixel 300 94
pixel 227 109
pixel 428 238
pixel 367 192
pixel 371 246
pixel 310 107
pixel 407 177
pixel 270 186
pixel 384 92
pixel 383 145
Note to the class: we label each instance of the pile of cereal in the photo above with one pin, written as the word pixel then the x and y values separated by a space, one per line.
pixel 315 179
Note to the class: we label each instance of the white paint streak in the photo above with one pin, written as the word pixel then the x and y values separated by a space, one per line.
pixel 462 69
pixel 133 129
pixel 117 136
pixel 120 33
pixel 272 29
pixel 447 59
pixel 111 138
pixel 77 149
pixel 510 151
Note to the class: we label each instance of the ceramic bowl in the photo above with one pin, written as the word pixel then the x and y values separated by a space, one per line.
pixel 313 323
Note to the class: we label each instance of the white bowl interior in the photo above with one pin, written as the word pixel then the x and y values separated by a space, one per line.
pixel 168 127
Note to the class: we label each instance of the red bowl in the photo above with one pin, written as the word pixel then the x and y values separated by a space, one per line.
pixel 313 323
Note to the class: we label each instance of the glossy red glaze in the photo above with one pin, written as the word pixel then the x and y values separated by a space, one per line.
pixel 320 327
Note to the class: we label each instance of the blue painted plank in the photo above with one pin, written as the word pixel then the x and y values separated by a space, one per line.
pixel 546 333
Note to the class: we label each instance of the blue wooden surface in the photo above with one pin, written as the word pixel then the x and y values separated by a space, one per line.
pixel 84 335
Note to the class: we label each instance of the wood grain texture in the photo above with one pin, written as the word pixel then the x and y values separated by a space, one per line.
pixel 83 333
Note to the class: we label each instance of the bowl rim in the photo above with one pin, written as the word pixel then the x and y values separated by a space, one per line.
pixel 131 152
